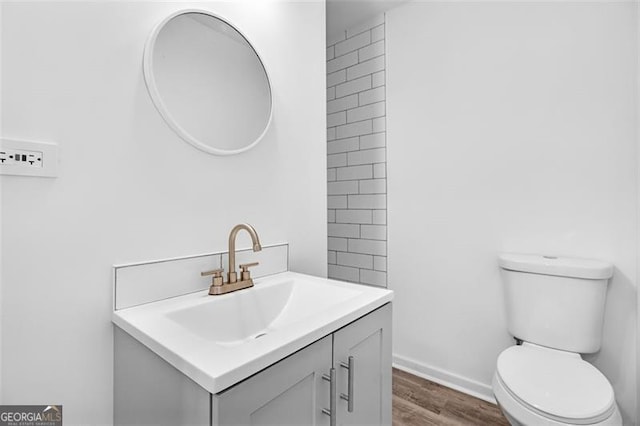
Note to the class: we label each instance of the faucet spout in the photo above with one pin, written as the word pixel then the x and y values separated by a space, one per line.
pixel 232 276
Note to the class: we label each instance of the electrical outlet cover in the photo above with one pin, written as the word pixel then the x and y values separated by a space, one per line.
pixel 27 158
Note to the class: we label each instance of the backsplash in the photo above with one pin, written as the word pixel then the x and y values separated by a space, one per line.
pixel 356 154
pixel 144 282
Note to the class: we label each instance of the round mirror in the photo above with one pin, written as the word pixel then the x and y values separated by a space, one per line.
pixel 208 82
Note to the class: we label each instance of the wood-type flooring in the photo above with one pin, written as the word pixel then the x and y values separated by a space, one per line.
pixel 420 402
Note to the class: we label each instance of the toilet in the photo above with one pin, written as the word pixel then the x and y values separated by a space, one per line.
pixel 555 311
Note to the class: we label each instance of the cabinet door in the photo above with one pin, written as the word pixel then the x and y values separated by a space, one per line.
pixel 290 392
pixel 368 342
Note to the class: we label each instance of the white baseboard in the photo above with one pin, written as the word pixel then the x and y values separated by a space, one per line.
pixel 445 378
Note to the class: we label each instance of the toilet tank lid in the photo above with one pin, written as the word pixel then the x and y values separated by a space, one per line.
pixel 559 266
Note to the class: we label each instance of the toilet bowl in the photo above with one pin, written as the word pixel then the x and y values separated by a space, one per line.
pixel 555 309
pixel 534 385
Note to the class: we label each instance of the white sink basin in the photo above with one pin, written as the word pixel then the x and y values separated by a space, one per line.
pixel 242 316
pixel 218 341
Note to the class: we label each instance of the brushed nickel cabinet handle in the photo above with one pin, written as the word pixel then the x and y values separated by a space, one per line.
pixel 331 412
pixel 350 366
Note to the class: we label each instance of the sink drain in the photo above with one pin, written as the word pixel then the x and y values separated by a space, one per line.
pixel 260 335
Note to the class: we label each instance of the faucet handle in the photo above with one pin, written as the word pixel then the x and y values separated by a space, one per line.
pixel 245 274
pixel 217 276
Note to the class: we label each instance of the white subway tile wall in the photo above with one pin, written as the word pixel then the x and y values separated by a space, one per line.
pixel 356 154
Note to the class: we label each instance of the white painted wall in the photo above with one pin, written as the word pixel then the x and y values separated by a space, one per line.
pixel 638 206
pixel 129 189
pixel 511 127
pixel 1 240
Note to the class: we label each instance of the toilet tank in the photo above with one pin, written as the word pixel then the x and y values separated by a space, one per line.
pixel 554 301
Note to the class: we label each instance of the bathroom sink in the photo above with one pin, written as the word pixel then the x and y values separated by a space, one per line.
pixel 242 316
pixel 218 341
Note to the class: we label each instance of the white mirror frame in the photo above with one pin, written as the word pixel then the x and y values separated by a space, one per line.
pixel 152 88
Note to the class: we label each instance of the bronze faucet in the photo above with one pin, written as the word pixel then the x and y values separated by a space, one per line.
pixel 232 284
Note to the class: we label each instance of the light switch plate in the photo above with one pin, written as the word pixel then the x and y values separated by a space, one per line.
pixel 27 158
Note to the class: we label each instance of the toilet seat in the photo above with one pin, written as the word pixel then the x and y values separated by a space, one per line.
pixel 555 384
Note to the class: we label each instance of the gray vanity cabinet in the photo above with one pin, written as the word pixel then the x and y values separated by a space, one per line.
pixel 292 391
pixel 366 344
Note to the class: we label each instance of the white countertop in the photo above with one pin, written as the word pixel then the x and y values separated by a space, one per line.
pixel 301 309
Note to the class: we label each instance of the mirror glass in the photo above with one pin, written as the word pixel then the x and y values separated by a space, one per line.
pixel 208 82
